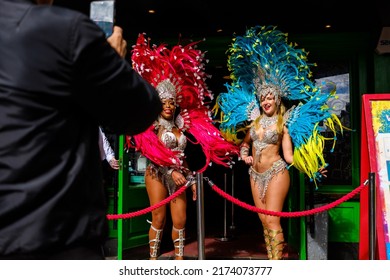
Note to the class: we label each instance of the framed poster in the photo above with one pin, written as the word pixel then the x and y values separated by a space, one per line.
pixel 375 158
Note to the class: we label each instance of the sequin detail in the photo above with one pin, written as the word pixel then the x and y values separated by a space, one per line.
pixel 169 138
pixel 262 180
pixel 164 173
pixel 161 173
pixel 270 137
pixel 266 121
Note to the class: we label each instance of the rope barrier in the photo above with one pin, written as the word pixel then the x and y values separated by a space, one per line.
pixel 240 203
pixel 149 209
pixel 284 214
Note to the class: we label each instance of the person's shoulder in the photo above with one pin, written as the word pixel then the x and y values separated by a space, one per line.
pixel 59 13
pixel 68 24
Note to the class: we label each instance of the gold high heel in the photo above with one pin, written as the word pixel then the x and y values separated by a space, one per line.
pixel 267 242
pixel 276 245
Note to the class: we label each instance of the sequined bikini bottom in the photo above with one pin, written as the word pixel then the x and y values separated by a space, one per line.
pixel 261 180
pixel 162 174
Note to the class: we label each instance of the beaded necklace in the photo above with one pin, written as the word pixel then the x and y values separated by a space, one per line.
pixel 266 121
pixel 167 125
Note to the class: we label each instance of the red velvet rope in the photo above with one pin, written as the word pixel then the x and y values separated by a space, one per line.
pixel 149 209
pixel 239 203
pixel 289 214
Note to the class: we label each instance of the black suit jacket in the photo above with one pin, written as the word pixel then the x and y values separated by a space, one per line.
pixel 59 80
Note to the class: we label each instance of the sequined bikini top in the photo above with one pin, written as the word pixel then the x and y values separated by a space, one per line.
pixel 170 141
pixel 169 138
pixel 271 136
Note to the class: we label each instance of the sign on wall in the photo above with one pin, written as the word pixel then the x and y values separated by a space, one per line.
pixel 384 41
pixel 375 158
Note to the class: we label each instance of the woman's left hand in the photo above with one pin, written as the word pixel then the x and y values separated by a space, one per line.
pixel 194 196
pixel 323 172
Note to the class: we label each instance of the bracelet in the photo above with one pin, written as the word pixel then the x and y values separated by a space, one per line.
pixel 169 172
pixel 190 180
pixel 244 151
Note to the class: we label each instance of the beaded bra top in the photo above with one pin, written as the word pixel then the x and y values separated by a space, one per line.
pixel 170 141
pixel 169 138
pixel 271 136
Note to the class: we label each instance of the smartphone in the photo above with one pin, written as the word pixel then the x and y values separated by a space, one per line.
pixel 103 14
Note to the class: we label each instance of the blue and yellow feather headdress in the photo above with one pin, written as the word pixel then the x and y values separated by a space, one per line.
pixel 262 61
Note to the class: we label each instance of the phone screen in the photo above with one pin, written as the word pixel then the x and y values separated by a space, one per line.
pixel 102 13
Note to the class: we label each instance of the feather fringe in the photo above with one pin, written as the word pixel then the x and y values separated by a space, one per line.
pixel 185 66
pixel 151 147
pixel 264 52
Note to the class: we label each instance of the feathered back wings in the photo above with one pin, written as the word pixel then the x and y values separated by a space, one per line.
pixel 264 58
pixel 185 66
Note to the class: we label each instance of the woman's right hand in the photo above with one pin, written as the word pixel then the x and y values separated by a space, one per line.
pixel 248 160
pixel 178 178
pixel 117 42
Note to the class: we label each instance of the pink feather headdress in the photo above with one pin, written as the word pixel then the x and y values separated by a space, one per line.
pixel 180 72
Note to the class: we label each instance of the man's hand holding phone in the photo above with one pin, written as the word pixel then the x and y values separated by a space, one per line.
pixel 117 42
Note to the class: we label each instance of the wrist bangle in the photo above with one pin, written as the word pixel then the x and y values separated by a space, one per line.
pixel 244 151
pixel 169 172
pixel 190 180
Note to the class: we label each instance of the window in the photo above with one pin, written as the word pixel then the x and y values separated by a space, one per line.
pixel 340 160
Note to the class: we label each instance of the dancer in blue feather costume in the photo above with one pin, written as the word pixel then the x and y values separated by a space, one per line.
pixel 266 70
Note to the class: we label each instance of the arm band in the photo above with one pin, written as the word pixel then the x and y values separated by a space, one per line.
pixel 169 172
pixel 190 180
pixel 244 151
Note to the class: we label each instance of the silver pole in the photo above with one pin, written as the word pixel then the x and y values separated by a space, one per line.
pixel 200 216
pixel 225 211
pixel 224 237
pixel 232 226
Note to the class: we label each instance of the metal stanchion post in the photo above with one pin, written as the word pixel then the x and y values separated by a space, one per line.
pixel 200 216
pixel 372 222
pixel 224 237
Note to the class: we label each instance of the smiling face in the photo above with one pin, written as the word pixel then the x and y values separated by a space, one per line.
pixel 168 108
pixel 269 104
